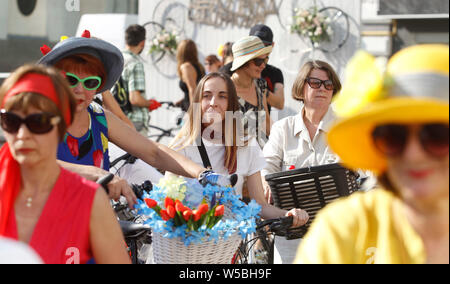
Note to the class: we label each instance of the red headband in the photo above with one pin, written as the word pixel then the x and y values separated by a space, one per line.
pixel 40 84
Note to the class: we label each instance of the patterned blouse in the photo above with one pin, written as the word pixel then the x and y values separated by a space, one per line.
pixel 92 148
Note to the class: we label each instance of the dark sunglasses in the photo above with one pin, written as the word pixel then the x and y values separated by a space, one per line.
pixel 38 123
pixel 90 83
pixel 259 61
pixel 391 139
pixel 316 83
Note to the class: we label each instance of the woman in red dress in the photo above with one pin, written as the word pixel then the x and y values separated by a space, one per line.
pixel 63 217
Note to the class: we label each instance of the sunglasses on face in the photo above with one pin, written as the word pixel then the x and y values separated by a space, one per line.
pixel 259 61
pixel 316 83
pixel 391 139
pixel 89 83
pixel 38 123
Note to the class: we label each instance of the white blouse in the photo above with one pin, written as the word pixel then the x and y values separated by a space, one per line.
pixel 290 144
pixel 250 159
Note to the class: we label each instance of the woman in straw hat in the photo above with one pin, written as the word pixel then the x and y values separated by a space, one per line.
pixel 250 58
pixel 63 217
pixel 395 124
pixel 92 66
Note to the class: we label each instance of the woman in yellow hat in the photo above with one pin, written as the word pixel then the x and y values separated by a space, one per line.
pixel 396 124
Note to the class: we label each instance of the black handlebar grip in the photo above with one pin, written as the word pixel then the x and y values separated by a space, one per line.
pixel 105 180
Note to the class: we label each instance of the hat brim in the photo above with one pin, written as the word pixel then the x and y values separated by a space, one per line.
pixel 351 138
pixel 241 60
pixel 108 54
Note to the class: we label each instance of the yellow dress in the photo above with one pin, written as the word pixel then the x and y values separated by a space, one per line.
pixel 364 228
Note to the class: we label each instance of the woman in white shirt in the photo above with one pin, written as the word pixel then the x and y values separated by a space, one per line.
pixel 212 122
pixel 300 141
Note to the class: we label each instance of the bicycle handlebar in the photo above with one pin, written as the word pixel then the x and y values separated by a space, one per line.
pixel 276 225
pixel 138 190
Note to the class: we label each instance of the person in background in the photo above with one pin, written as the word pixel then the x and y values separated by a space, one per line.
pixel 212 63
pixel 63 217
pixel 226 52
pixel 133 76
pixel 250 58
pixel 190 71
pixel 300 141
pixel 395 124
pixel 272 75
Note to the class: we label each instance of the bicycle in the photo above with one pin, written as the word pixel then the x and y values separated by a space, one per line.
pixel 169 133
pixel 137 235
pixel 265 231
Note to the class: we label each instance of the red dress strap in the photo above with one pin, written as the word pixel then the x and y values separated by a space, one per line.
pixel 62 233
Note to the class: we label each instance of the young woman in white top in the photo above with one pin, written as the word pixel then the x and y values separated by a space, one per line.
pixel 210 119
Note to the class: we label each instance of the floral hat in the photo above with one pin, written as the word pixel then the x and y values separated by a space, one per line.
pixel 108 54
pixel 414 88
pixel 246 49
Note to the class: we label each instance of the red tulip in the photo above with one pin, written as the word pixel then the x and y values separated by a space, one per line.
pixel 203 209
pixel 187 214
pixel 171 211
pixel 220 210
pixel 150 202
pixel 197 215
pixel 168 202
pixel 164 215
pixel 179 206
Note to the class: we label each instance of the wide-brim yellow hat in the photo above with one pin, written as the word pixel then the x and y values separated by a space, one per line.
pixel 414 89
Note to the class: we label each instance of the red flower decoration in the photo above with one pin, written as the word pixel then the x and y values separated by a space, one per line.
pixel 179 206
pixel 86 34
pixel 220 210
pixel 197 215
pixel 97 156
pixel 203 209
pixel 150 202
pixel 45 49
pixel 164 215
pixel 168 202
pixel 292 167
pixel 171 211
pixel 187 214
pixel 72 143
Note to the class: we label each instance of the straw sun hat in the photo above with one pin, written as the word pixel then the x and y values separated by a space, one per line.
pixel 414 88
pixel 246 49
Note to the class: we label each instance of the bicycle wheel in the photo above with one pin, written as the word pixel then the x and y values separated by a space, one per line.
pixel 339 26
pixel 174 14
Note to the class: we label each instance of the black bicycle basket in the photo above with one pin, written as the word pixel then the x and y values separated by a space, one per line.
pixel 310 189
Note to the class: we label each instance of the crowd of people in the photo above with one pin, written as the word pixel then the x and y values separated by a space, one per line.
pixel 57 145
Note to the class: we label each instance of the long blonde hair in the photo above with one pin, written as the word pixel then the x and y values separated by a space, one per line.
pixel 192 129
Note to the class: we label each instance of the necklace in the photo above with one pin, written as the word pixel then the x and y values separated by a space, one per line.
pixel 29 202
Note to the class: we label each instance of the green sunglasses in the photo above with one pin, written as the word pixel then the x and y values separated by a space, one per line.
pixel 89 83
